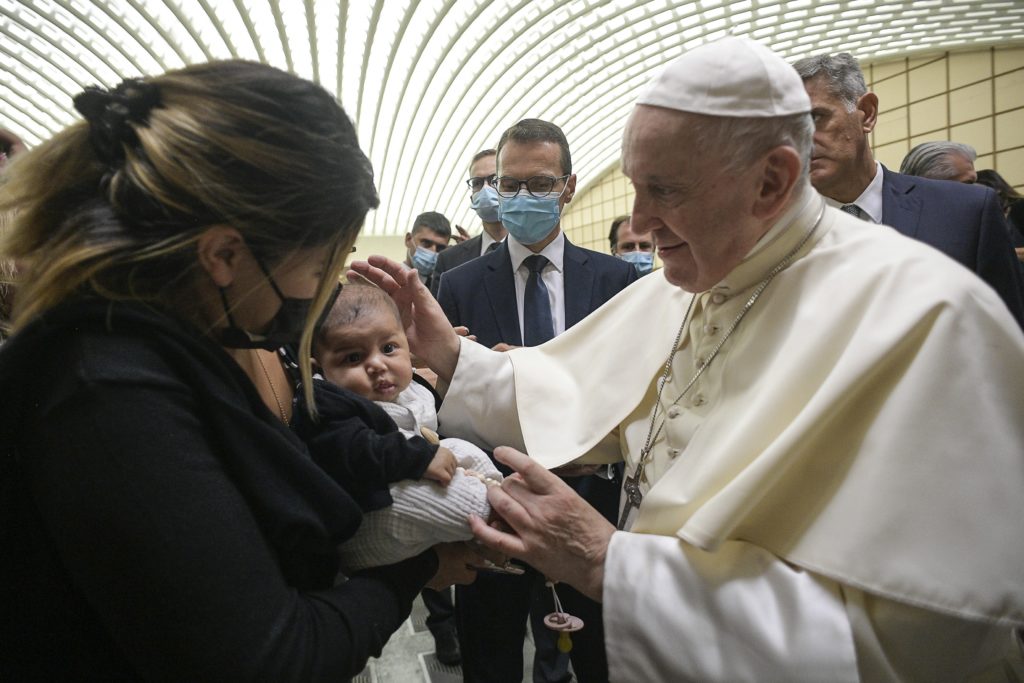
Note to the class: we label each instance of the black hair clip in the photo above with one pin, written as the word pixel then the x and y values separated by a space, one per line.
pixel 109 113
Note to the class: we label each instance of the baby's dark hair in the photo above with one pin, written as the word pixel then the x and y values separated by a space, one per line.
pixel 354 301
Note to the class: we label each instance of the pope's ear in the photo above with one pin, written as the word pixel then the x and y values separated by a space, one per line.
pixel 219 250
pixel 782 167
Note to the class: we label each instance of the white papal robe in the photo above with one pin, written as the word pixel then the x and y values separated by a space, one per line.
pixel 836 498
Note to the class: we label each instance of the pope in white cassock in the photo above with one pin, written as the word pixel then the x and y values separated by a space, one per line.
pixel 822 421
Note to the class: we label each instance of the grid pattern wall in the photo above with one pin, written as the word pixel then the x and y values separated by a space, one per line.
pixel 973 97
pixel 589 217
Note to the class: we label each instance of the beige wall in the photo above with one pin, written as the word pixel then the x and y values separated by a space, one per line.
pixel 974 97
pixel 392 246
pixel 587 220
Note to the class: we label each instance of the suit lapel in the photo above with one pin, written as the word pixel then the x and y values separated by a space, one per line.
pixel 578 284
pixel 900 208
pixel 468 250
pixel 500 287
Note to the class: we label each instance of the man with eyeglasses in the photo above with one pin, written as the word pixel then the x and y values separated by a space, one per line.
pixel 531 288
pixel 484 200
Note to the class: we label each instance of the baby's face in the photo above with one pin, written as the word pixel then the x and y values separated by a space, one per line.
pixel 370 357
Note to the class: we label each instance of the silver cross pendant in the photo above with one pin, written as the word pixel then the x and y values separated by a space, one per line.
pixel 631 486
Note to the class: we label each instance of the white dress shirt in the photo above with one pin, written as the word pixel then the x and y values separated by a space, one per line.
pixel 870 200
pixel 553 277
pixel 486 241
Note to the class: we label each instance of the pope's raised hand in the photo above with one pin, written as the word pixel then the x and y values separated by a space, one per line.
pixel 431 337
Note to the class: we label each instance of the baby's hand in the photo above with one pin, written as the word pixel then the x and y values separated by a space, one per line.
pixel 442 468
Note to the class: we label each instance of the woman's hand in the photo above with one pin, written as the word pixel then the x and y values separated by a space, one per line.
pixel 431 337
pixel 456 563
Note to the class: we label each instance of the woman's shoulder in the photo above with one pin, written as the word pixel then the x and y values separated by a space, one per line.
pixel 96 342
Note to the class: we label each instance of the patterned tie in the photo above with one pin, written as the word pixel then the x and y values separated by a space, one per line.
pixel 853 210
pixel 491 247
pixel 537 324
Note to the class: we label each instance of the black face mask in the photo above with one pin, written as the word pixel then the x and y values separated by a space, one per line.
pixel 284 329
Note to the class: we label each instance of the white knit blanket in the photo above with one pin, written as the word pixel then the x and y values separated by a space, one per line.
pixel 424 513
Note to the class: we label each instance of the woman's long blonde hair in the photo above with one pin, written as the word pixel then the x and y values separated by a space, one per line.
pixel 113 206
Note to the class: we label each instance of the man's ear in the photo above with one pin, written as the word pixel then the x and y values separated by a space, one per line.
pixel 408 240
pixel 219 251
pixel 868 106
pixel 570 188
pixel 782 167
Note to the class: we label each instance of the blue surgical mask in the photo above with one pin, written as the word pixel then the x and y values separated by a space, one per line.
pixel 643 261
pixel 530 219
pixel 485 203
pixel 424 260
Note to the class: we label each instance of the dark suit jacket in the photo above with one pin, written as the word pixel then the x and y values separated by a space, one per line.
pixel 481 294
pixel 965 222
pixel 455 255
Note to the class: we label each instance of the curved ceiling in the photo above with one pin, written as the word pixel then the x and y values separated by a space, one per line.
pixel 431 82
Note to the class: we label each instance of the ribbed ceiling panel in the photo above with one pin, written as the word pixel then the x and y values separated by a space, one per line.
pixel 430 83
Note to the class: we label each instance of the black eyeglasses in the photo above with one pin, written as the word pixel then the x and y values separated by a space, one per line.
pixel 538 185
pixel 476 183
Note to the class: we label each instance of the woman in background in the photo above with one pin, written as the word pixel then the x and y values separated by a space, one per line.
pixel 159 519
pixel 1012 205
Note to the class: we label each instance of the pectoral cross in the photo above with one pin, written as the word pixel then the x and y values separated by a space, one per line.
pixel 633 496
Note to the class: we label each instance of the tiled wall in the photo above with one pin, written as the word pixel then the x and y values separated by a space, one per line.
pixel 587 220
pixel 973 97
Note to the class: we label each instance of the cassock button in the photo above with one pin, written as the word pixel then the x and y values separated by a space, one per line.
pixel 674 453
pixel 673 412
pixel 710 329
pixel 699 400
pixel 718 298
pixel 699 361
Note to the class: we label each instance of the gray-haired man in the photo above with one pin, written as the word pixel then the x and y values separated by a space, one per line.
pixel 941 160
pixel 965 222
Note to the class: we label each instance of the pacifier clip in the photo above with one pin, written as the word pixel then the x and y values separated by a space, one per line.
pixel 561 622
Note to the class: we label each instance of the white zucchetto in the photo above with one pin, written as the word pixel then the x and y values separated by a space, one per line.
pixel 729 77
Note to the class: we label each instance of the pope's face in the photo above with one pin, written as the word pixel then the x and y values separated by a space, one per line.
pixel 697 213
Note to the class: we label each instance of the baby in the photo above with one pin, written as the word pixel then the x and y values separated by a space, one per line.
pixel 376 436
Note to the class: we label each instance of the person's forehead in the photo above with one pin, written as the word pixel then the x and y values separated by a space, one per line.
pixel 819 89
pixel 626 232
pixel 367 329
pixel 483 167
pixel 539 157
pixel 961 161
pixel 658 144
pixel 425 232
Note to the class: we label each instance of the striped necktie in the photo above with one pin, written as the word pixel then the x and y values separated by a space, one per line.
pixel 853 210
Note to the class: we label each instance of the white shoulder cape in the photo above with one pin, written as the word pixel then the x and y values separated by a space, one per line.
pixel 871 428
